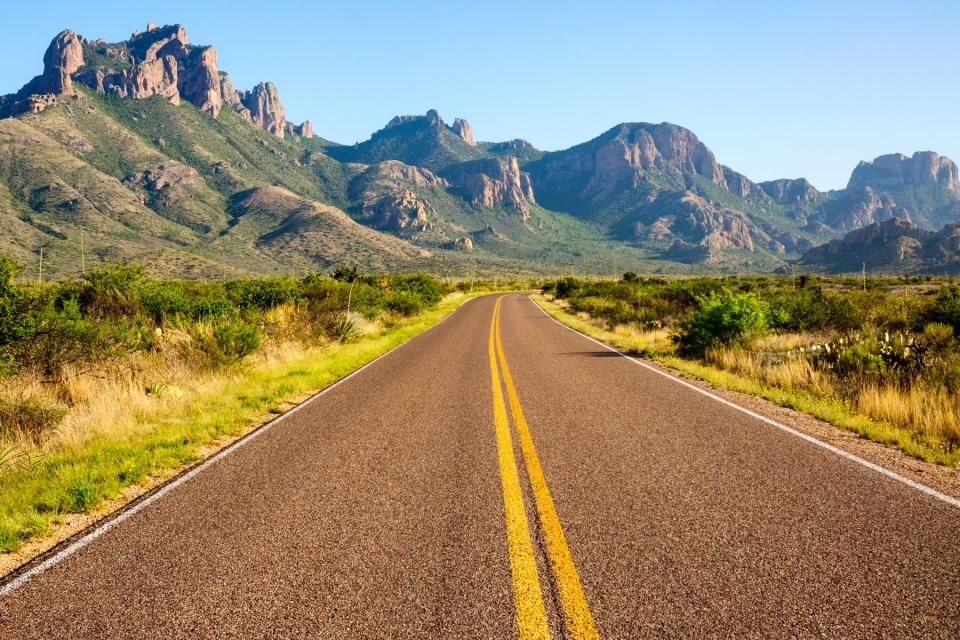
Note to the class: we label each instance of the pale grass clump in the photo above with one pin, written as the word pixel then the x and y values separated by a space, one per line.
pixel 782 342
pixel 642 340
pixel 922 408
pixel 784 370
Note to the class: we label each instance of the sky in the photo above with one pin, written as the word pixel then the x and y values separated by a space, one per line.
pixel 775 91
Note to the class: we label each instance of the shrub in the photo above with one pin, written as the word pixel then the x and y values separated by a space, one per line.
pixel 722 319
pixel 264 294
pixel 406 304
pixel 945 308
pixel 230 342
pixel 113 291
pixel 424 287
pixel 345 329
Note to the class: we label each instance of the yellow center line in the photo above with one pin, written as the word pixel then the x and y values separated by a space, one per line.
pixel 531 616
pixel 576 612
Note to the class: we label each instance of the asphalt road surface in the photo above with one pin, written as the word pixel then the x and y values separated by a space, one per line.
pixel 501 476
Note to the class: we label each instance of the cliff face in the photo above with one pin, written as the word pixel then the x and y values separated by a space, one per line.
pixel 157 62
pixel 893 245
pixel 897 170
pixel 494 182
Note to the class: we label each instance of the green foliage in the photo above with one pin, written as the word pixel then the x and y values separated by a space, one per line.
pixel 722 319
pixel 345 329
pixel 117 310
pixel 265 293
pixel 229 342
pixel 114 290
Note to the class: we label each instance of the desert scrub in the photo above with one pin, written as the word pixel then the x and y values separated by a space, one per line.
pixel 146 373
pixel 881 359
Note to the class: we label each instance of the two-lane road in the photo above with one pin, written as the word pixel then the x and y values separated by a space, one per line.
pixel 501 475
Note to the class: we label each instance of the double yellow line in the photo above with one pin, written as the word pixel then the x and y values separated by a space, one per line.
pixel 531 616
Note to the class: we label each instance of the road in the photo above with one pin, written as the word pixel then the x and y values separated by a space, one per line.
pixel 501 476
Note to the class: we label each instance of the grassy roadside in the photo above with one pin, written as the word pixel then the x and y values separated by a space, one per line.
pixel 173 433
pixel 655 346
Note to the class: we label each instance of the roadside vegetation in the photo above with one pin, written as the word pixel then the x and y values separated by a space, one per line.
pixel 117 379
pixel 877 356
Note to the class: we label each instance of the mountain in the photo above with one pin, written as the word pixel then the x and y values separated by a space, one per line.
pixel 424 141
pixel 892 246
pixel 144 150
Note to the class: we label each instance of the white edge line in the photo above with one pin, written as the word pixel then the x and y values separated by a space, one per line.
pixel 110 523
pixel 930 491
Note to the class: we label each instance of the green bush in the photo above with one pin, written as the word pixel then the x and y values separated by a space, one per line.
pixel 264 294
pixel 113 291
pixel 722 319
pixel 406 304
pixel 229 342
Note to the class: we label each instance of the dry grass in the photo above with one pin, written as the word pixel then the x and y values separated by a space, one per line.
pixel 932 412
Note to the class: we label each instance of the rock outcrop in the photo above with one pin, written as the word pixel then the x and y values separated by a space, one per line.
pixel 387 193
pixel 157 62
pixel 493 182
pixel 461 244
pixel 698 230
pixel 200 80
pixel 893 245
pixel 62 59
pixel 859 207
pixel 265 107
pixel 397 211
pixel 462 128
pixel 304 129
pixel 896 170
pixel 797 192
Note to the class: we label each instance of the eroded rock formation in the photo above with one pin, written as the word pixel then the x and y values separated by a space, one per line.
pixel 493 182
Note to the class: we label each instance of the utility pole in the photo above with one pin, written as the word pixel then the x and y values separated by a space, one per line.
pixel 40 270
pixel 83 257
pixel 864 273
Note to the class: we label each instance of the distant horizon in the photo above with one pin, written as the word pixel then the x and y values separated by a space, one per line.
pixel 773 92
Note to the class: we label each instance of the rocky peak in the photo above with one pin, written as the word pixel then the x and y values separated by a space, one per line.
pixel 304 130
pixel 462 128
pixel 494 182
pixel 860 207
pixel 149 45
pixel 62 59
pixel 517 144
pixel 627 156
pixel 896 169
pixel 798 191
pixel 265 107
pixel 433 118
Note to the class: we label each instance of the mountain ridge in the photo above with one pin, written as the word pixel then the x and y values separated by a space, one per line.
pixel 145 144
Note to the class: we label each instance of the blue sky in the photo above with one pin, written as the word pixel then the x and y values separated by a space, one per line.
pixel 775 91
